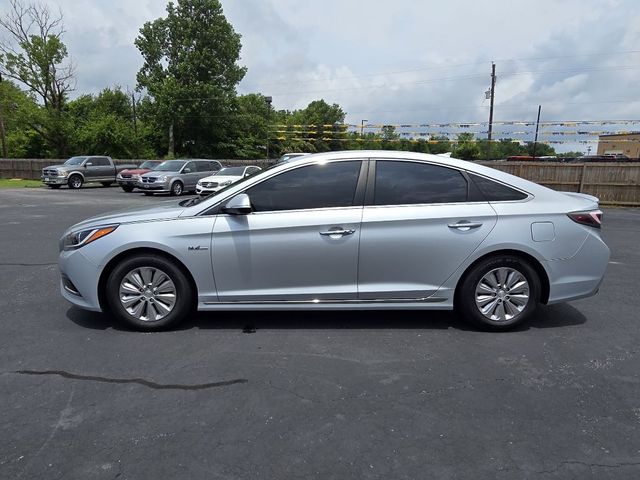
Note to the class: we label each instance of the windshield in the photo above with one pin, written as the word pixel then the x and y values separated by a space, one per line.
pixel 170 166
pixel 232 171
pixel 150 164
pixel 75 161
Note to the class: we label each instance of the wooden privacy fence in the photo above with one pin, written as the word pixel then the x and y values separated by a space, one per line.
pixel 613 183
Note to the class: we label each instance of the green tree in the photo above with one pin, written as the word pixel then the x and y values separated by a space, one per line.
pixel 466 148
pixel 21 113
pixel 36 56
pixel 190 71
pixel 103 125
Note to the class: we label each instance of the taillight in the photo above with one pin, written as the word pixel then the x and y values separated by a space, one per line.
pixel 592 218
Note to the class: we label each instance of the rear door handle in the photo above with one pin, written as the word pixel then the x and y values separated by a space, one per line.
pixel 464 225
pixel 340 232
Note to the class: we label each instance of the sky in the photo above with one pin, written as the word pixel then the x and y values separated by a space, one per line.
pixel 402 61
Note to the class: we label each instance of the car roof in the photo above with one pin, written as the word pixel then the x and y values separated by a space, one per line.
pixel 395 155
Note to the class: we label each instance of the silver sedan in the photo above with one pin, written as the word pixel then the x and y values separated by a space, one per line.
pixel 344 230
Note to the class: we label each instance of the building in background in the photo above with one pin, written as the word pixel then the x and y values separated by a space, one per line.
pixel 620 144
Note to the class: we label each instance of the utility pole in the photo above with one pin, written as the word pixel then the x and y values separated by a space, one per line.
pixel 362 132
pixel 535 142
pixel 2 132
pixel 268 100
pixel 135 121
pixel 493 94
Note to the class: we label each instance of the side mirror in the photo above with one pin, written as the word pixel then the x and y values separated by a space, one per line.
pixel 186 170
pixel 238 205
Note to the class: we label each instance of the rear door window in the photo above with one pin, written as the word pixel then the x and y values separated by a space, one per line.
pixel 410 183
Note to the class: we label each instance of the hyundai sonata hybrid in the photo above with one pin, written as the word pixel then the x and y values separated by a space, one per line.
pixel 343 230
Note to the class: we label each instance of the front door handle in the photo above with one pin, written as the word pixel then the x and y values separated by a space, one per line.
pixel 339 231
pixel 464 226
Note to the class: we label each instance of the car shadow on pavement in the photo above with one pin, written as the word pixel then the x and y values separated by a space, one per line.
pixel 553 316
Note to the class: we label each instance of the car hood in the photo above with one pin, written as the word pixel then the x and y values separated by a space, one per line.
pixel 163 211
pixel 221 178
pixel 61 166
pixel 156 174
pixel 136 171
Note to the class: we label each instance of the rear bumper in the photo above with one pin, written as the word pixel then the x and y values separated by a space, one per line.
pixel 581 275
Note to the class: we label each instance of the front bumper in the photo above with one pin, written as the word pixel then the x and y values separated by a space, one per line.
pixel 157 187
pixel 127 182
pixel 200 190
pixel 54 180
pixel 79 278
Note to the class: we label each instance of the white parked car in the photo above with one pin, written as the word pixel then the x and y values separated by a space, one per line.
pixel 224 178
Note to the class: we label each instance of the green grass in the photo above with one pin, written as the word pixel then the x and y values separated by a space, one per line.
pixel 18 183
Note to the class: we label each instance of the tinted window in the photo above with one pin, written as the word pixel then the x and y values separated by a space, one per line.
pixel 202 166
pixel 191 166
pixel 403 183
pixel 103 162
pixel 314 186
pixel 214 166
pixel 496 192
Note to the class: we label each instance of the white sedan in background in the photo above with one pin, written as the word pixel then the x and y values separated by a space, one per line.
pixel 224 178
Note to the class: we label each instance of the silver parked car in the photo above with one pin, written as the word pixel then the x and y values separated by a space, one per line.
pixel 344 230
pixel 177 176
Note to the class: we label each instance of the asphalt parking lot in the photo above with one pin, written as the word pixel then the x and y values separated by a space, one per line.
pixel 401 395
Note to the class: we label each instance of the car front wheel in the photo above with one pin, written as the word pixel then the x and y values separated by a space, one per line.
pixel 177 188
pixel 75 182
pixel 149 293
pixel 499 293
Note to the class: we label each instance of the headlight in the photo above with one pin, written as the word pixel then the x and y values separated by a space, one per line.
pixel 119 176
pixel 228 182
pixel 63 173
pixel 200 182
pixel 164 178
pixel 81 238
pixel 135 177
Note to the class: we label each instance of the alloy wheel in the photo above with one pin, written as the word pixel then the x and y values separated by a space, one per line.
pixel 147 293
pixel 502 294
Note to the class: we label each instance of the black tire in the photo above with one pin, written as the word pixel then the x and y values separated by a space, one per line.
pixel 184 294
pixel 55 187
pixel 177 188
pixel 75 181
pixel 106 184
pixel 127 188
pixel 465 300
pixel 148 194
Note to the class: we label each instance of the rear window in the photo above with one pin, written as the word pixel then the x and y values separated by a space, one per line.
pixel 496 192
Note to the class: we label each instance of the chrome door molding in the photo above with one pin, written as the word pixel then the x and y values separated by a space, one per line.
pixel 330 302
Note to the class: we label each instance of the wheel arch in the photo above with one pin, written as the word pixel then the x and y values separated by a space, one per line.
pixel 76 172
pixel 111 264
pixel 533 261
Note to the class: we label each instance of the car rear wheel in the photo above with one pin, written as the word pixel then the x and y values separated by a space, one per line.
pixel 149 293
pixel 499 293
pixel 75 182
pixel 177 188
pixel 127 188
